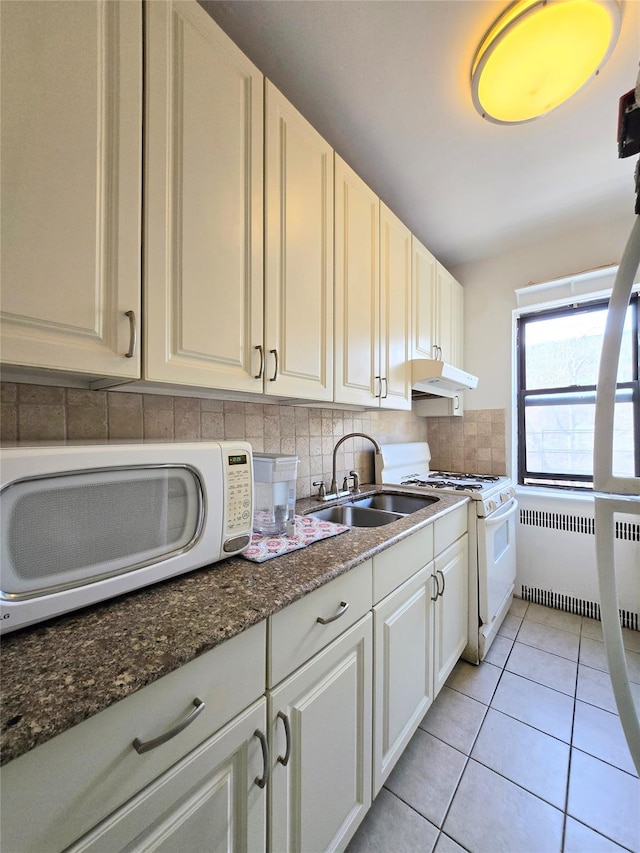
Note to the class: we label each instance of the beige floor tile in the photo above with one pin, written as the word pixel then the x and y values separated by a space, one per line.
pixel 592 628
pixel 549 639
pixel 600 734
pixel 426 776
pixel 578 838
pixel 605 799
pixel 518 607
pixel 554 618
pixel 478 682
pixel 551 670
pixel 592 653
pixel 534 760
pixel 391 824
pixel 499 651
pixel 455 719
pixel 538 706
pixel 510 626
pixel 447 845
pixel 481 817
pixel 594 687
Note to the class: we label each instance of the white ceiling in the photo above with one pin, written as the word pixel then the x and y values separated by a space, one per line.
pixel 386 82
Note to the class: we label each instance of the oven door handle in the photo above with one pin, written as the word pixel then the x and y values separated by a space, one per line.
pixel 499 516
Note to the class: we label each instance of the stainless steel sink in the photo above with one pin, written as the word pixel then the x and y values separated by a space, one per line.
pixel 356 516
pixel 403 504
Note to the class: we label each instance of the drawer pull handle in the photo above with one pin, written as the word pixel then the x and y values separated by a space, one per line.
pixel 144 746
pixel 440 572
pixel 133 334
pixel 284 759
pixel 435 597
pixel 344 606
pixel 261 781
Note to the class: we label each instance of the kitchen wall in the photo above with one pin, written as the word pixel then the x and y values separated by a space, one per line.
pixel 45 413
pixel 489 300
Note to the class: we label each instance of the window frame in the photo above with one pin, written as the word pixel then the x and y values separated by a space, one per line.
pixel 567 394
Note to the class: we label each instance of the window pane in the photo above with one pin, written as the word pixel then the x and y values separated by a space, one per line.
pixel 565 350
pixel 559 438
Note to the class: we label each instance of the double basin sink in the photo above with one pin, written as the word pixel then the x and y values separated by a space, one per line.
pixel 373 510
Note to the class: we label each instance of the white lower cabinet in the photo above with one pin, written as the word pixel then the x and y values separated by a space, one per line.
pixel 451 620
pixel 320 728
pixel 214 799
pixel 420 631
pixel 403 682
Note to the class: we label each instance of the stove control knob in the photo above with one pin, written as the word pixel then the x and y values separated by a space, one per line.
pixel 492 506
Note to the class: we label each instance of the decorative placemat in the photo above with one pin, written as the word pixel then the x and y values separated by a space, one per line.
pixel 307 530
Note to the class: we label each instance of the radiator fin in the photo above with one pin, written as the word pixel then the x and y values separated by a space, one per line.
pixel 627 531
pixel 572 604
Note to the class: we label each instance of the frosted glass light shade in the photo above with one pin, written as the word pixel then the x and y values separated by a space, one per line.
pixel 538 54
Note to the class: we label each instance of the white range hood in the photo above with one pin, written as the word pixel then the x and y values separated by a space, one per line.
pixel 437 377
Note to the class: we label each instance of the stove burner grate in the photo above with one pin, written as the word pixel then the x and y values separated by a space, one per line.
pixel 445 484
pixel 449 475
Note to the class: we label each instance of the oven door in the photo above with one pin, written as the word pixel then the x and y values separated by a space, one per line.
pixel 496 559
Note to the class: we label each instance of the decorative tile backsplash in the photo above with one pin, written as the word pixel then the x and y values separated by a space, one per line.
pixel 475 442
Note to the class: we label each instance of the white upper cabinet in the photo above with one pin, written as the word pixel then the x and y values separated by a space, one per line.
pixel 395 311
pixel 437 324
pixel 373 297
pixel 298 337
pixel 203 251
pixel 71 186
pixel 357 289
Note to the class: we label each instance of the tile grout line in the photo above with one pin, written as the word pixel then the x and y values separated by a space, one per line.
pixel 573 723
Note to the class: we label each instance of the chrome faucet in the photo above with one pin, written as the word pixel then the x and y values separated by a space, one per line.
pixel 333 488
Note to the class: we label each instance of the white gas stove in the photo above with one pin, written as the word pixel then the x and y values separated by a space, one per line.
pixel 407 465
pixel 491 528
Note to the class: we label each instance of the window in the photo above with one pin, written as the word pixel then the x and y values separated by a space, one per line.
pixel 558 362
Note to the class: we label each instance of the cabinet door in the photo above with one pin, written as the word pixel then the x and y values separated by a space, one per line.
pixel 211 800
pixel 449 301
pixel 402 669
pixel 395 311
pixel 71 185
pixel 451 609
pixel 423 275
pixel 321 772
pixel 203 208
pixel 357 314
pixel 298 254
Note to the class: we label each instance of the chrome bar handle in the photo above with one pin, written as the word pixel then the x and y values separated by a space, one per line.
pixel 340 612
pixel 435 597
pixel 274 352
pixel 284 759
pixel 386 387
pixel 259 374
pixel 144 746
pixel 379 379
pixel 133 334
pixel 444 583
pixel 261 781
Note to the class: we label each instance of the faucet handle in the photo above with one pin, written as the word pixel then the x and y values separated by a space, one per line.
pixel 322 492
pixel 353 475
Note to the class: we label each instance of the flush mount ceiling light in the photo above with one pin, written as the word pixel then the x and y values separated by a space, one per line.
pixel 539 53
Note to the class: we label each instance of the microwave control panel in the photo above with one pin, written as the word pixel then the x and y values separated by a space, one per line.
pixel 239 503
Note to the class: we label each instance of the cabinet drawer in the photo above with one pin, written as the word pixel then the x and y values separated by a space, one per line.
pixel 295 634
pixel 58 791
pixel 449 528
pixel 398 563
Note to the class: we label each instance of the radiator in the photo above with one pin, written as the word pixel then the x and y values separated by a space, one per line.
pixel 556 562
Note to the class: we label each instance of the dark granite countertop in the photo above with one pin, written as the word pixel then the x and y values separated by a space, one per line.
pixel 63 671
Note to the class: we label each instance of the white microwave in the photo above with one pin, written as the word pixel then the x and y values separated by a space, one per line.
pixel 83 523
